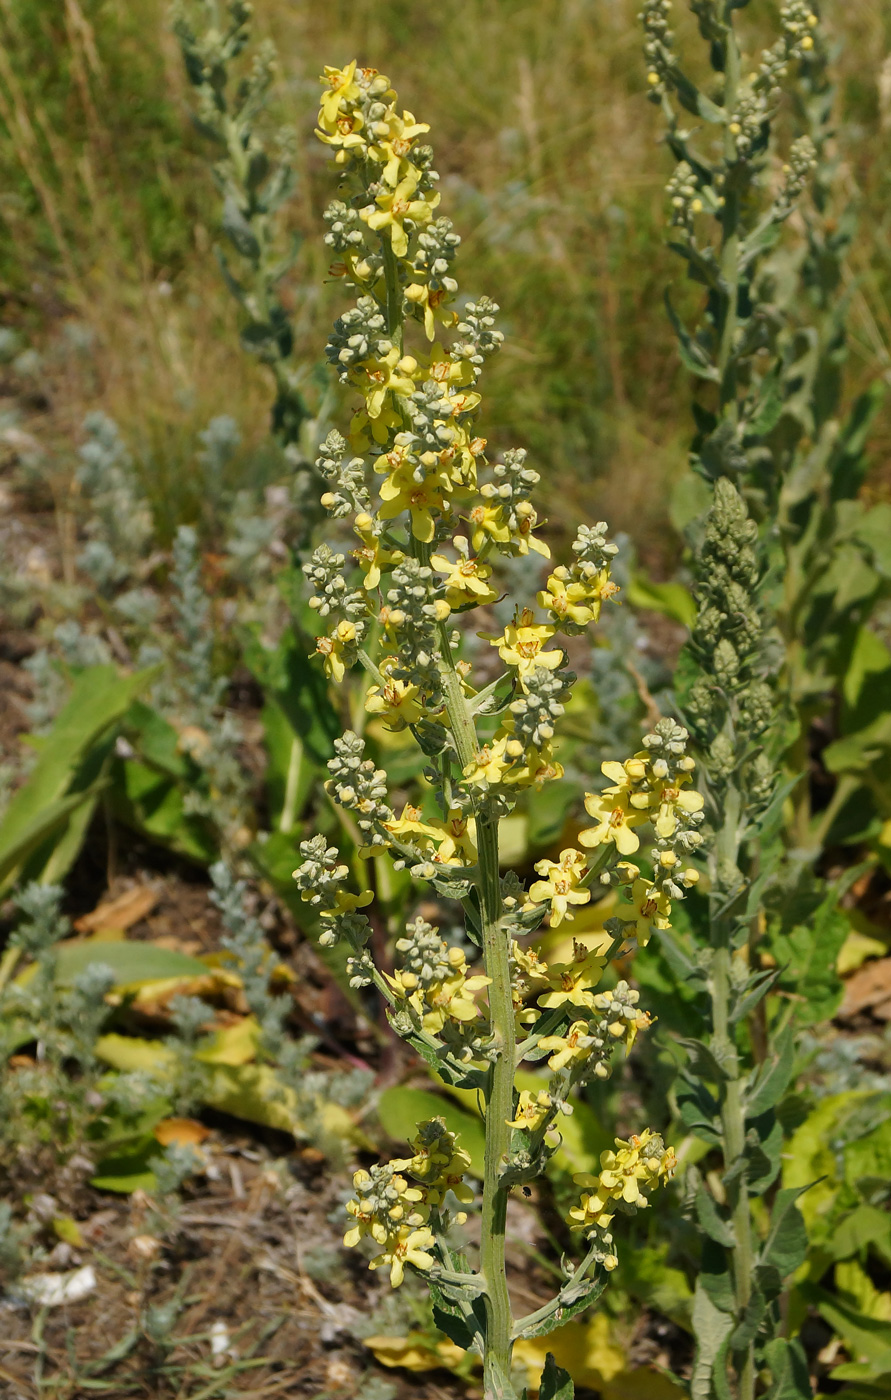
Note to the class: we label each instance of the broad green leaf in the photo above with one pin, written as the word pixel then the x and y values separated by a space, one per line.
pixel 157 741
pixel 153 803
pixel 671 599
pixel 786 1244
pixel 869 657
pixel 401 1110
pixel 711 1328
pixel 131 962
pixel 556 1384
pixel 788 1369
pixel 772 1078
pixel 875 531
pixel 710 1219
pixel 68 769
pixel 645 1274
pixel 693 356
pixel 127 1172
pixel 867 1337
pixel 288 676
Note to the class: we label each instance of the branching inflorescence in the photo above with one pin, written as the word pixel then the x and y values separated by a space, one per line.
pixel 433 518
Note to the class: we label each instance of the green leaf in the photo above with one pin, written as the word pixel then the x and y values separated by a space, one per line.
pixel 785 1247
pixel 789 1370
pixel 299 689
pixel 67 771
pixel 157 741
pixel 556 1384
pixel 693 356
pixel 711 1221
pixel 670 599
pixel 644 1273
pixel 771 1080
pixel 401 1110
pixel 590 1292
pixel 874 531
pixel 239 231
pixel 124 1173
pixel 130 962
pixel 711 1328
pixel 152 803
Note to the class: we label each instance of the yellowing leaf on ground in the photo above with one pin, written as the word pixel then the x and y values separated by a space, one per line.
pixel 128 1052
pixel 185 1132
pixel 855 950
pixel 584 1349
pixel 415 1352
pixel 593 1359
pixel 120 913
pixel 233 1045
pixel 66 1229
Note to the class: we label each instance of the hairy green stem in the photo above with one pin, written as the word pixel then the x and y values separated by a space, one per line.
pixel 733 1119
pixel 499 1099
pixel 730 231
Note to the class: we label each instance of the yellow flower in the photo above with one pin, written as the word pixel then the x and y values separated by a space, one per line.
pixel 335 650
pixel 574 1046
pixel 615 818
pixel 393 139
pixel 393 209
pixel 448 998
pixel 458 838
pixel 448 372
pixel 432 302
pixel 424 500
pixel 490 521
pixel 396 701
pixel 365 430
pixel 411 829
pixel 532 1110
pixel 372 556
pixel 671 800
pixel 638 1167
pixel 652 906
pixel 568 601
pixel 572 982
pixel 342 88
pixel 521 644
pixel 465 581
pixel 559 885
pixel 345 134
pixel 405 1246
pixel 375 379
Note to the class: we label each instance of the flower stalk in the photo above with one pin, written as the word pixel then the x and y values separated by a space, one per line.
pixel 434 518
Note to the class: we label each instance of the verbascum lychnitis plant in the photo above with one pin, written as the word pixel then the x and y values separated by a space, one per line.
pixel 782 477
pixel 426 521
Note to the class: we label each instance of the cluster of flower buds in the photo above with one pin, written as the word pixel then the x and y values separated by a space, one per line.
pixel 433 984
pixel 321 878
pixel 626 1177
pixel 395 1200
pixel 658 42
pixel 358 786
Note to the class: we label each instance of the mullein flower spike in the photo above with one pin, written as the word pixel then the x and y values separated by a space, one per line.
pixel 432 519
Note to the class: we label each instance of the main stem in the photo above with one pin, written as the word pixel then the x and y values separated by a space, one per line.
pixel 733 1118
pixel 733 1123
pixel 499 1100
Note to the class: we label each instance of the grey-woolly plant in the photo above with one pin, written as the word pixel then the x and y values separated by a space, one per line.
pixel 433 521
pixel 781 475
pixel 255 175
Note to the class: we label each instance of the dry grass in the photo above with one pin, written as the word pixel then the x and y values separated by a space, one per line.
pixel 551 170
